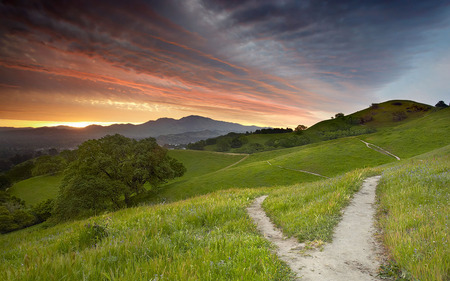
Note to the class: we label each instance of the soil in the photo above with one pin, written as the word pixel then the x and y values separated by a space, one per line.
pixel 354 253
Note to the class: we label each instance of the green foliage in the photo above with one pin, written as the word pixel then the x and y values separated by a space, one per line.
pixel 47 164
pixel 286 142
pixel 300 128
pixel 5 182
pixel 441 104
pixel 353 131
pixel 413 213
pixel 109 171
pixel 13 214
pixel 43 210
pixel 21 171
pixel 91 235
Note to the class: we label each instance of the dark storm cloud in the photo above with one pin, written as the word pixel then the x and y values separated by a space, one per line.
pixel 375 39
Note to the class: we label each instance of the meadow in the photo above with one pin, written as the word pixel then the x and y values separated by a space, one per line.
pixel 37 189
pixel 414 208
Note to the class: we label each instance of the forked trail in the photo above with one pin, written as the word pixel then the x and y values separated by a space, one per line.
pixel 353 254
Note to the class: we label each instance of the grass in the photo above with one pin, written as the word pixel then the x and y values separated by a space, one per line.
pixel 203 162
pixel 211 237
pixel 414 206
pixel 37 189
pixel 409 139
pixel 310 211
pixel 206 238
pixel 329 158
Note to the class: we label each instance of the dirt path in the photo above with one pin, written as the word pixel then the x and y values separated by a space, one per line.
pixel 353 254
pixel 301 171
pixel 379 149
pixel 235 163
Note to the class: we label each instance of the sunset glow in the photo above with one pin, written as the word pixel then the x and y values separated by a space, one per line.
pixel 36 124
pixel 266 63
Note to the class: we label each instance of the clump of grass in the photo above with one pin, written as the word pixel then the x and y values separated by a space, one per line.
pixel 414 216
pixel 311 211
pixel 91 235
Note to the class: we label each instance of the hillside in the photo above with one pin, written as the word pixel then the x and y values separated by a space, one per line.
pixel 376 117
pixel 212 238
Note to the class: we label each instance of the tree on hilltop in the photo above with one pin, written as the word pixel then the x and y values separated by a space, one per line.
pixel 300 128
pixel 441 104
pixel 109 171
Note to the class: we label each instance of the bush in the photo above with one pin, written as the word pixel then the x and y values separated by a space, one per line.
pixel 398 116
pixel 42 211
pixel 91 235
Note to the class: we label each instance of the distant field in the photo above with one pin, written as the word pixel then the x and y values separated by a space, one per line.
pixel 202 162
pixel 329 159
pixel 37 189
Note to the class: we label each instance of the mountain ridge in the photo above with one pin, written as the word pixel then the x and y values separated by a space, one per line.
pixel 67 137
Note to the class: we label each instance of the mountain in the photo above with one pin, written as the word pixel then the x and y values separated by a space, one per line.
pixel 182 131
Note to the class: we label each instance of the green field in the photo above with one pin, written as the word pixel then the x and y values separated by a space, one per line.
pixel 37 189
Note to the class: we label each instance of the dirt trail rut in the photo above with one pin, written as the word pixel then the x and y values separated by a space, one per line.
pixel 353 254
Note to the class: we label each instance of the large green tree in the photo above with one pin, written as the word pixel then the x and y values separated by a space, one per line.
pixel 109 171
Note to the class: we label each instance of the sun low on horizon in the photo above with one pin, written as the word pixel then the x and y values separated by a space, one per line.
pixel 264 63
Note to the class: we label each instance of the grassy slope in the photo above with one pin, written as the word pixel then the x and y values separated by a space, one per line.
pixel 382 117
pixel 414 206
pixel 206 238
pixel 413 138
pixel 37 189
pixel 329 158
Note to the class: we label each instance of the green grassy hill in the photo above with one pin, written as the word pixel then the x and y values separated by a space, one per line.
pixel 37 189
pixel 211 237
pixel 376 117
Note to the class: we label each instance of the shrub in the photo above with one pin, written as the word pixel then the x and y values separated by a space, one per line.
pixel 91 235
pixel 43 210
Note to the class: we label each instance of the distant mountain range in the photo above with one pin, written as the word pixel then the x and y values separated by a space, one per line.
pixel 165 130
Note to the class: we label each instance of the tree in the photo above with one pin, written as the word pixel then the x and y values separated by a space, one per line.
pixel 441 104
pixel 300 128
pixel 109 171
pixel 47 164
pixel 339 115
pixel 5 182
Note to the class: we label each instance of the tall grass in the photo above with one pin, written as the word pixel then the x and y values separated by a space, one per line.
pixel 206 238
pixel 414 215
pixel 311 211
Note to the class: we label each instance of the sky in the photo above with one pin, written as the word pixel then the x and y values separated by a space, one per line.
pixel 255 62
